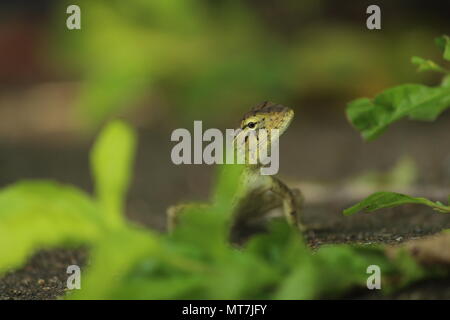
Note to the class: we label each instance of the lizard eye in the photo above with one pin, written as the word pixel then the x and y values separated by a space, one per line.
pixel 251 125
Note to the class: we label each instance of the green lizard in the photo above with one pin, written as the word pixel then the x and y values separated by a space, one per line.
pixel 258 194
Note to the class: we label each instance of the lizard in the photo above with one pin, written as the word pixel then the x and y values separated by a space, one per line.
pixel 259 193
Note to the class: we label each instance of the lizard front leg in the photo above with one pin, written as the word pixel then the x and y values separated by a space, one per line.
pixel 292 202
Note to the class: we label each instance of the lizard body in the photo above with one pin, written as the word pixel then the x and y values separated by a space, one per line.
pixel 260 193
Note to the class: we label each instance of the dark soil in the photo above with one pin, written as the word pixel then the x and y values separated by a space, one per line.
pixel 44 276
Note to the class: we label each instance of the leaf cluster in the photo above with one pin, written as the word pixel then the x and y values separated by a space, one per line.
pixel 372 117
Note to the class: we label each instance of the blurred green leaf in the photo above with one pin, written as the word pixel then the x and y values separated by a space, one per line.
pixel 113 258
pixel 227 187
pixel 409 269
pixel 113 62
pixel 124 48
pixel 380 200
pixel 419 102
pixel 446 81
pixel 427 65
pixel 332 271
pixel 372 117
pixel 240 275
pixel 281 247
pixel 191 54
pixel 199 223
pixel 212 221
pixel 173 287
pixel 43 214
pixel 112 158
pixel 443 42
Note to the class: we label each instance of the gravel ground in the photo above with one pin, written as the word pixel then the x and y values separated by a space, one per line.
pixel 44 276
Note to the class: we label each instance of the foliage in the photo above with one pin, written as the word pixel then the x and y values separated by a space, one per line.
pixel 36 214
pixel 372 116
pixel 381 200
pixel 418 102
pixel 196 261
pixel 198 55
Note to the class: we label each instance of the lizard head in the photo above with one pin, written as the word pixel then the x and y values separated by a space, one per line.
pixel 265 116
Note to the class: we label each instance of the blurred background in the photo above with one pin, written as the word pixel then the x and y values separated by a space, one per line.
pixel 162 64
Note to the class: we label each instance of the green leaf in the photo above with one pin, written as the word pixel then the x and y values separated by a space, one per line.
pixel 380 200
pixel 372 117
pixel 40 214
pixel 174 287
pixel 331 271
pixel 197 223
pixel 409 269
pixel 227 187
pixel 446 81
pixel 111 164
pixel 443 42
pixel 427 65
pixel 240 275
pixel 114 258
pixel 212 221
pixel 334 269
pixel 281 247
